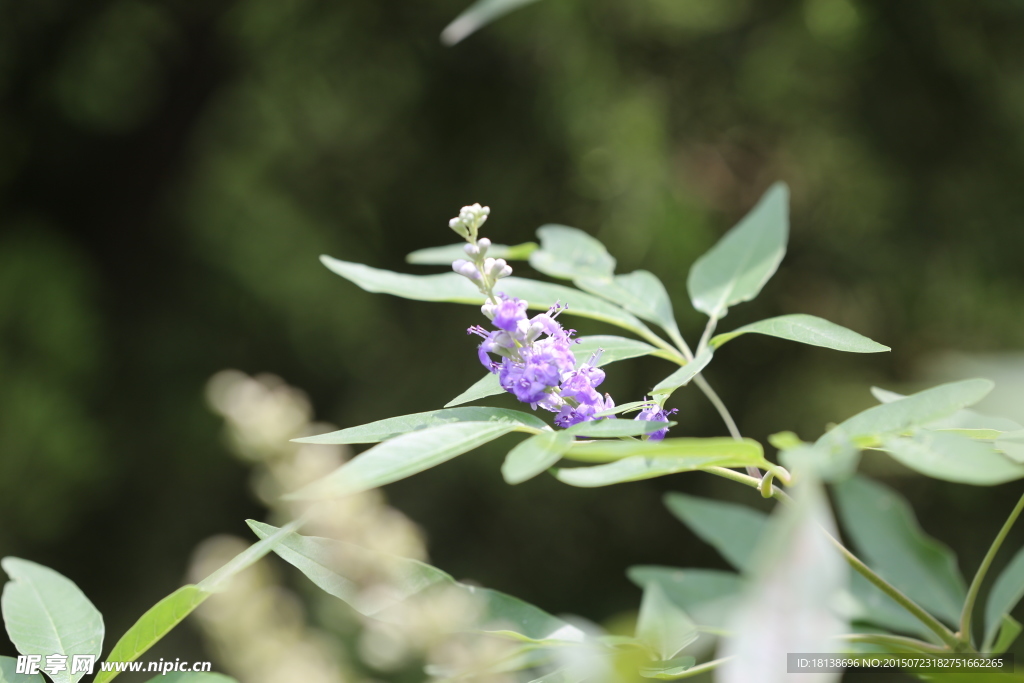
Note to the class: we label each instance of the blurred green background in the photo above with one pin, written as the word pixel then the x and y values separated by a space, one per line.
pixel 170 171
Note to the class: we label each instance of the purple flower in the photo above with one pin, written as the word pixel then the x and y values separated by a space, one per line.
pixel 508 313
pixel 652 412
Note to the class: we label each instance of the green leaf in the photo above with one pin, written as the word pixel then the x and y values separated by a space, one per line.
pixel 218 580
pixel 674 458
pixel 733 530
pixel 190 677
pixel 961 419
pixel 691 589
pixel 885 532
pixel 570 253
pixel 457 289
pixel 46 614
pixel 612 349
pixel 1009 629
pixel 640 292
pixel 869 604
pixel 444 256
pixel 683 375
pixel 382 430
pixel 1006 592
pixel 535 455
pixel 152 626
pixel 662 625
pixel 744 452
pixel 807 329
pixel 9 673
pixel 488 385
pixel 738 266
pixel 669 670
pixel 617 428
pixel 320 559
pixel 631 407
pixel 403 456
pixel 916 410
pixel 955 458
pixel 478 15
pixel 788 604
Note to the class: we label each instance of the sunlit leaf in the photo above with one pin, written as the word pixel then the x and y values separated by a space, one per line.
pixel 403 456
pixel 219 580
pixel 535 455
pixel 46 614
pixel 570 253
pixel 738 266
pixel 788 604
pixel 961 419
pixel 9 673
pixel 321 560
pixel 662 625
pixel 683 375
pixel 807 329
pixel 382 430
pixel 668 670
pixel 478 15
pixel 444 256
pixel 743 452
pixel 887 537
pixel 457 289
pixel 640 292
pixel 955 458
pixel 1006 592
pixel 686 455
pixel 152 626
pixel 488 385
pixel 733 530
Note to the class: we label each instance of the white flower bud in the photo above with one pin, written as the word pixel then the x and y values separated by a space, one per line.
pixel 484 244
pixel 471 250
pixel 504 272
pixel 488 268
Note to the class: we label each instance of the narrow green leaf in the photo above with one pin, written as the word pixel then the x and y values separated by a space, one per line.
pixel 788 604
pixel 738 266
pixel 46 614
pixel 638 467
pixel 961 419
pixel 617 428
pixel 9 673
pixel 218 580
pixel 1006 592
pixel 640 292
pixel 917 410
pixel 1008 632
pixel 691 589
pixel 488 385
pixel 631 407
pixel 153 626
pixel 570 253
pixel 743 452
pixel 535 455
pixel 955 458
pixel 683 375
pixel 733 530
pixel 320 560
pixel 612 349
pixel 457 289
pixel 662 625
pixel 807 329
pixel 886 533
pixel 403 456
pixel 382 430
pixel 444 256
pixel 669 670
pixel 478 15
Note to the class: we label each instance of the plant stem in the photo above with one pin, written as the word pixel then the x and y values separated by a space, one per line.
pixel 979 576
pixel 709 330
pixel 933 624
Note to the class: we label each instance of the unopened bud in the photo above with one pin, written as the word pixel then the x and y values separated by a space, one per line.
pixel 471 250
pixel 484 244
pixel 504 272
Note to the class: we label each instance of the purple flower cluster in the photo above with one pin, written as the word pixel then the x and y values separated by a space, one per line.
pixel 536 362
pixel 653 412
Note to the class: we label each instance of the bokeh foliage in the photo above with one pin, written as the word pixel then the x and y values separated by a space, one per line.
pixel 170 170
